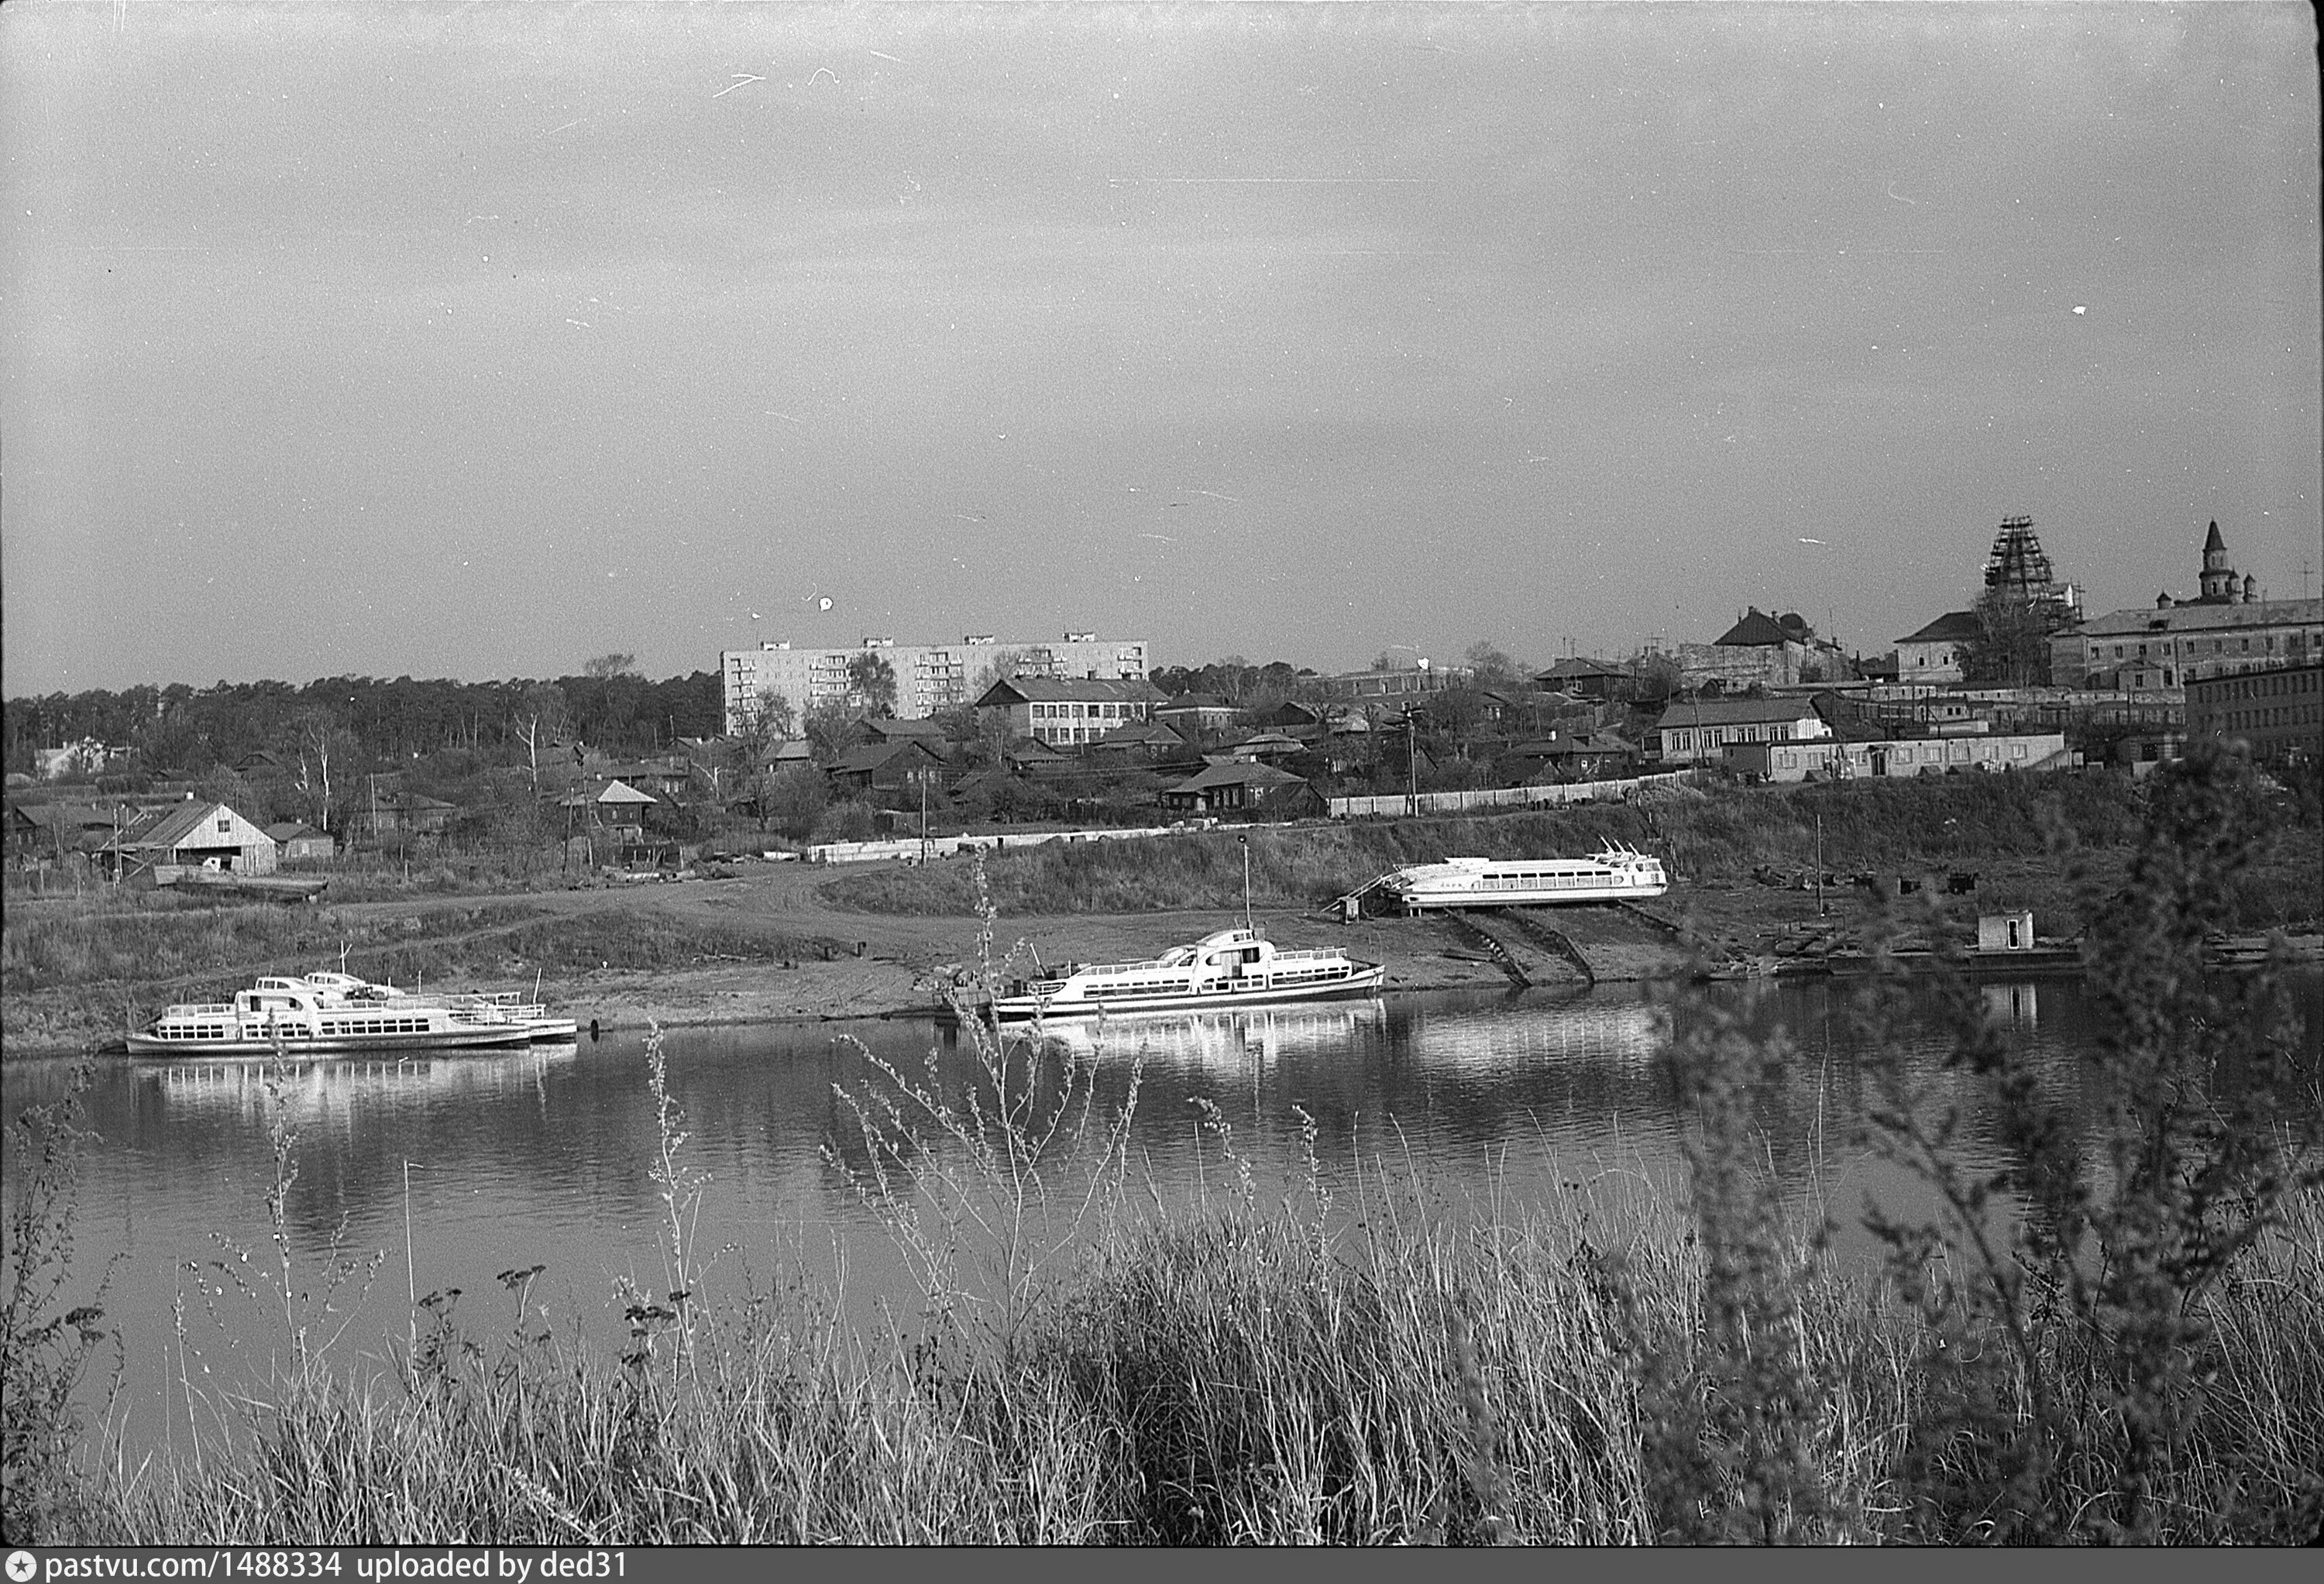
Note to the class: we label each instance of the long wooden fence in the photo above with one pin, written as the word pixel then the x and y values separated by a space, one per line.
pixel 1405 806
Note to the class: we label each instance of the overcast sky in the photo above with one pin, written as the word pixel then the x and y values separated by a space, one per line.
pixel 477 341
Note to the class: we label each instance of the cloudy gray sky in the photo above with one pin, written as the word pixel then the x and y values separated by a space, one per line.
pixel 476 341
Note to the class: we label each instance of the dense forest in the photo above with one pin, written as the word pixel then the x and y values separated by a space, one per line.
pixel 370 722
pixel 183 730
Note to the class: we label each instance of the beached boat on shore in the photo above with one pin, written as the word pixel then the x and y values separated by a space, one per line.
pixel 1616 873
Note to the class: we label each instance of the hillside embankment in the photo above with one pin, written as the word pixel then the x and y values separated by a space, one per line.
pixel 785 941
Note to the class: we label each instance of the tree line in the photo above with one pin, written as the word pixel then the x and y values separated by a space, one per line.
pixel 368 723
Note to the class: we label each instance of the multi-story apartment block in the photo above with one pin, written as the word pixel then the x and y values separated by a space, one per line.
pixel 929 678
pixel 2279 711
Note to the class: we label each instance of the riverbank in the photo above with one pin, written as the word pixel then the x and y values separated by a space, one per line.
pixel 767 946
pixel 780 942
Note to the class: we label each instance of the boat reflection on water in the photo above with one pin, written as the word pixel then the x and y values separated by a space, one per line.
pixel 2018 1005
pixel 1229 1041
pixel 344 1084
pixel 1506 1038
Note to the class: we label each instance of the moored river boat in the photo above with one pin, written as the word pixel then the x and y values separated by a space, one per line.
pixel 1227 968
pixel 293 1019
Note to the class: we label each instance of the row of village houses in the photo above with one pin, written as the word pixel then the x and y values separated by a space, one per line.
pixel 1213 761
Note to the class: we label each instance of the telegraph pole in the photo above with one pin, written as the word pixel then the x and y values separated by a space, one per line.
pixel 1820 866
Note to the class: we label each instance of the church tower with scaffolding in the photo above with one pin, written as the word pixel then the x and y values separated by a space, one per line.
pixel 2017 573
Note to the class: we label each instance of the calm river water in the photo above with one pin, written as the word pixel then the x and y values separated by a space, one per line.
pixel 441 1173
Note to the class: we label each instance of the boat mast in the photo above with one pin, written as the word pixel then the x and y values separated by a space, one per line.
pixel 1247 924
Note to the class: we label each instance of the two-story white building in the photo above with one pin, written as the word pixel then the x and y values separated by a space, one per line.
pixel 1066 712
pixel 1700 731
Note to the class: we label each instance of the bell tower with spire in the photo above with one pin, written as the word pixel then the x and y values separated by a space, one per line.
pixel 2219 582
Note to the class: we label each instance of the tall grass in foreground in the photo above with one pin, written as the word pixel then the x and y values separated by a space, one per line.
pixel 2131 1349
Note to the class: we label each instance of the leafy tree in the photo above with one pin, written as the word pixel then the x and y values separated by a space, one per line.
pixel 772 722
pixel 605 668
pixel 791 800
pixel 831 729
pixel 849 821
pixel 1659 677
pixel 871 683
pixel 2011 648
pixel 1492 668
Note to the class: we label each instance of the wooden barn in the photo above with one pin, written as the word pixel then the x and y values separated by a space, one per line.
pixel 194 834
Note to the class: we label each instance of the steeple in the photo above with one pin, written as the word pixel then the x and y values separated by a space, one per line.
pixel 2219 577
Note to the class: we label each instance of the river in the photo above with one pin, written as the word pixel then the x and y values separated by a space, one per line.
pixel 420 1176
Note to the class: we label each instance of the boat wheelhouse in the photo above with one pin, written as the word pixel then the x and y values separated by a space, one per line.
pixel 1616 873
pixel 1230 968
pixel 298 1019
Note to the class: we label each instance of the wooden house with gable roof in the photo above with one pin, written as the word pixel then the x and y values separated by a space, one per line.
pixel 194 834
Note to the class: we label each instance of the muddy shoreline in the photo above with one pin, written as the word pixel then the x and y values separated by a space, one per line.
pixel 822 963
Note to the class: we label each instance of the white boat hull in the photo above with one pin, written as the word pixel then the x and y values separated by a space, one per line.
pixel 303 1046
pixel 1617 874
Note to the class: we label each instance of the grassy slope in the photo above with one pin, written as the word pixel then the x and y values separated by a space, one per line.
pixel 2000 824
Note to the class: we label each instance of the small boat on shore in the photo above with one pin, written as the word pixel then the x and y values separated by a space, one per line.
pixel 294 1018
pixel 1617 873
pixel 1230 968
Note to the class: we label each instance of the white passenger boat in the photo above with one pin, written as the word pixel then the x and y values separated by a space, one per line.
pixel 1232 968
pixel 482 1007
pixel 301 1020
pixel 1615 874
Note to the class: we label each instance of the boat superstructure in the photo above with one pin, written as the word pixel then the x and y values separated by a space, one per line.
pixel 298 1019
pixel 481 1006
pixel 1230 968
pixel 1615 873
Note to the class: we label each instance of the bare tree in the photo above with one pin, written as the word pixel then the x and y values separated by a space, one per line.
pixel 321 741
pixel 541 718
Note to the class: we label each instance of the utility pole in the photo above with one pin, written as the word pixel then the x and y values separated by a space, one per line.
pixel 1820 913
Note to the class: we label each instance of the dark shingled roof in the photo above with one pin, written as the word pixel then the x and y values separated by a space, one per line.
pixel 1755 630
pixel 1953 627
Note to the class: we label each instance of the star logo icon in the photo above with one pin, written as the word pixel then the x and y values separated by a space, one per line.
pixel 22 1567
